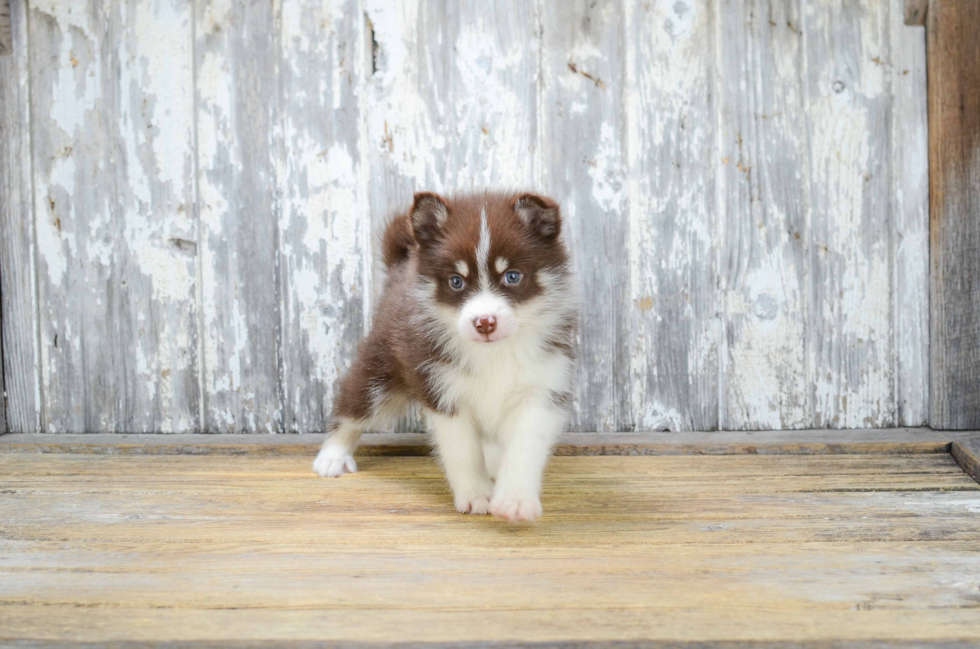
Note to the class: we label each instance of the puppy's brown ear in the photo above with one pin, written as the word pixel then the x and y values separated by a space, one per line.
pixel 540 214
pixel 429 213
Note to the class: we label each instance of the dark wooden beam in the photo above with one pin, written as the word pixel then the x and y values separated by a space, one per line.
pixel 967 454
pixel 915 12
pixel 777 442
pixel 953 54
pixel 3 390
pixel 6 38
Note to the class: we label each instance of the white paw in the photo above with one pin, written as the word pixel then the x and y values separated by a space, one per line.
pixel 472 504
pixel 516 508
pixel 334 461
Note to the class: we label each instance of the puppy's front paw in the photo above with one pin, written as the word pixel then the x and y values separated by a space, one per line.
pixel 334 461
pixel 516 508
pixel 472 504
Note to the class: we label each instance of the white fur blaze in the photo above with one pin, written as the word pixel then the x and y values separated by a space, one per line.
pixel 483 250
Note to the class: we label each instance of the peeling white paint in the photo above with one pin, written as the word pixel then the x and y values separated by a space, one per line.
pixel 50 241
pixel 607 172
pixel 723 314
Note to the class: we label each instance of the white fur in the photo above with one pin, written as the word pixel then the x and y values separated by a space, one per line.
pixel 458 443
pixel 500 264
pixel 336 456
pixel 462 268
pixel 505 388
pixel 481 304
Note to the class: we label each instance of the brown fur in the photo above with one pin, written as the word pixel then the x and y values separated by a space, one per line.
pixel 398 242
pixel 424 245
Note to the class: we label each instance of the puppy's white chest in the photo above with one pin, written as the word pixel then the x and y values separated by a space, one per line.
pixel 494 385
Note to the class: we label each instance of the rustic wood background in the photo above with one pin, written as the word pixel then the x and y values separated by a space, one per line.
pixel 192 192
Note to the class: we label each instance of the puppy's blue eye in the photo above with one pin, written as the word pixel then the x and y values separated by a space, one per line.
pixel 456 282
pixel 512 277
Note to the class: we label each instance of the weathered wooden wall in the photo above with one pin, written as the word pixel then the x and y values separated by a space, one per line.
pixel 954 159
pixel 190 215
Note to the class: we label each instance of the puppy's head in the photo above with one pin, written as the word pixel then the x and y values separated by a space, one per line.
pixel 490 261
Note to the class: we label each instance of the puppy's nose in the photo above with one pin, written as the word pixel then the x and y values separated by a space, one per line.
pixel 485 324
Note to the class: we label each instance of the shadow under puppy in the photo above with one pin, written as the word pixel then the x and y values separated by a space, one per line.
pixel 476 324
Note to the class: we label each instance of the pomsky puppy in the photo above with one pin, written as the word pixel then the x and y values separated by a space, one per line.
pixel 476 324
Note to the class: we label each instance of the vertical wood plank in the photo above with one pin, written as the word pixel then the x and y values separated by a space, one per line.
pixel 765 206
pixel 3 391
pixel 673 238
pixel 909 163
pixel 851 334
pixel 451 102
pixel 112 137
pixel 237 116
pixel 6 29
pixel 954 191
pixel 324 224
pixel 18 306
pixel 583 165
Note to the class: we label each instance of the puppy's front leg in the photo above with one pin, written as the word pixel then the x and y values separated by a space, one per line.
pixel 336 456
pixel 461 452
pixel 533 432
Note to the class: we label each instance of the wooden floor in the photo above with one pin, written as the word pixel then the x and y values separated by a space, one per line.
pixel 697 548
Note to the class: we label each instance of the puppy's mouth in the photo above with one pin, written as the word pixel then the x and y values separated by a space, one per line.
pixel 486 339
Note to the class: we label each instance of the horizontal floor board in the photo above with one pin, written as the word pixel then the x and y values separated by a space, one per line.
pixel 100 547
pixel 728 620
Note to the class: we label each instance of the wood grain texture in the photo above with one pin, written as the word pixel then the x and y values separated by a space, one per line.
pixel 966 452
pixel 112 138
pixel 765 231
pixel 909 170
pixel 324 227
pixel 850 342
pixel 954 190
pixel 673 237
pixel 583 163
pixel 18 303
pixel 237 117
pixel 694 549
